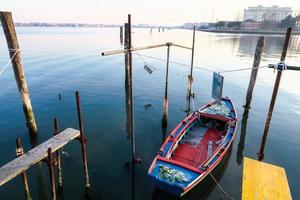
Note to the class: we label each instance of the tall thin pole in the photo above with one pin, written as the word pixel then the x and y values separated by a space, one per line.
pixel 83 142
pixel 19 152
pixel 192 64
pixel 121 34
pixel 126 47
pixel 15 56
pixel 127 92
pixel 51 174
pixel 166 103
pixel 58 160
pixel 274 95
pixel 254 72
pixel 132 129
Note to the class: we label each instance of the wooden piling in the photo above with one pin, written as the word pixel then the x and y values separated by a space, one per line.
pixel 166 103
pixel 274 95
pixel 190 77
pixel 58 160
pixel 132 129
pixel 121 34
pixel 15 56
pixel 51 174
pixel 19 152
pixel 126 47
pixel 254 72
pixel 83 141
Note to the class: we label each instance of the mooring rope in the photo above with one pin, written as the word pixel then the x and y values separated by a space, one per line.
pixel 220 187
pixel 7 64
pixel 201 68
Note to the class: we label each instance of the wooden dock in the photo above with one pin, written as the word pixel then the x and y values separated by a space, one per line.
pixel 264 181
pixel 35 155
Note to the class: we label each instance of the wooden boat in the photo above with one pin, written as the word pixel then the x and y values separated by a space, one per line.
pixel 195 148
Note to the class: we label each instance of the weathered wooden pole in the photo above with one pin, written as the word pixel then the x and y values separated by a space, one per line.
pixel 51 174
pixel 83 141
pixel 254 72
pixel 121 34
pixel 274 95
pixel 19 152
pixel 58 160
pixel 190 77
pixel 15 56
pixel 132 129
pixel 166 103
pixel 126 47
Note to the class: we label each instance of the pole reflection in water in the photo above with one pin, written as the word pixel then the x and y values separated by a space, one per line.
pixel 40 176
pixel 163 133
pixel 133 182
pixel 240 151
pixel 128 113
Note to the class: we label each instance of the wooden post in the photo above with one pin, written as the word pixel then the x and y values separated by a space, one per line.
pixel 126 47
pixel 19 152
pixel 121 34
pixel 190 77
pixel 15 56
pixel 274 95
pixel 58 160
pixel 166 103
pixel 132 129
pixel 51 174
pixel 257 58
pixel 83 141
pixel 240 150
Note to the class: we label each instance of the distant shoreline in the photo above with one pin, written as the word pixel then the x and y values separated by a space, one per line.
pixel 264 32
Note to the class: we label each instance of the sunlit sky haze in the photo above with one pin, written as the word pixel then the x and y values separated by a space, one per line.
pixel 159 12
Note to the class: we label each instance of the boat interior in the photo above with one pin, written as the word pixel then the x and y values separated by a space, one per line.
pixel 199 141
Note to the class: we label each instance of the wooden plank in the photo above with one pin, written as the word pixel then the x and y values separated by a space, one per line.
pixel 264 181
pixel 22 163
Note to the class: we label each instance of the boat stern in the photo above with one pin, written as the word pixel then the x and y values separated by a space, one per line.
pixel 171 178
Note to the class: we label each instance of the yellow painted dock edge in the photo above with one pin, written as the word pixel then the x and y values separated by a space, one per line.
pixel 264 181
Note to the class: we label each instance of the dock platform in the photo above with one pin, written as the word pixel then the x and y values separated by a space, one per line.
pixel 35 155
pixel 264 181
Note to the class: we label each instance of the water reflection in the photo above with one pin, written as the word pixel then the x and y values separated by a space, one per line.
pixel 240 151
pixel 128 113
pixel 273 45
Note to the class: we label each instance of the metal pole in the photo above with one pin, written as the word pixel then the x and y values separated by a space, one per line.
pixel 15 56
pixel 166 103
pixel 58 160
pixel 83 142
pixel 190 77
pixel 19 152
pixel 254 72
pixel 273 99
pixel 51 174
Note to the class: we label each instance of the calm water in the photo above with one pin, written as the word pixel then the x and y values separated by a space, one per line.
pixel 62 60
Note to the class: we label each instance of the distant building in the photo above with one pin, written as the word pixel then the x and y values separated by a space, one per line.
pixel 261 13
pixel 250 25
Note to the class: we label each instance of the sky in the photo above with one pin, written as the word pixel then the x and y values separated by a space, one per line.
pixel 152 12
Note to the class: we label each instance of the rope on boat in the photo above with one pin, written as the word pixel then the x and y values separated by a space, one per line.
pixel 7 64
pixel 220 187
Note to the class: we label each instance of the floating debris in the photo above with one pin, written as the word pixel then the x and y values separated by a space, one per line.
pixel 147 106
